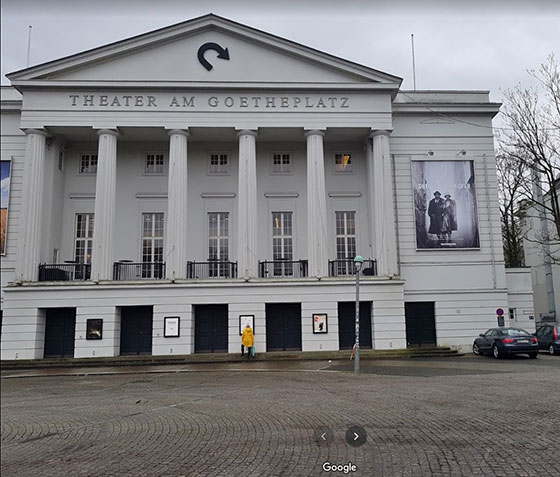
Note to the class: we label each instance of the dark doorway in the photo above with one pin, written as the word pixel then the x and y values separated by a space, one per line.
pixel 211 329
pixel 136 330
pixel 420 323
pixel 347 324
pixel 283 326
pixel 60 330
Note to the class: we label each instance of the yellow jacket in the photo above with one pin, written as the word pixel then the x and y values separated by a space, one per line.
pixel 247 338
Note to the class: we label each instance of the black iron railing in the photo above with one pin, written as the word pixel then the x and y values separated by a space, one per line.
pixel 124 270
pixel 55 272
pixel 283 268
pixel 211 269
pixel 345 267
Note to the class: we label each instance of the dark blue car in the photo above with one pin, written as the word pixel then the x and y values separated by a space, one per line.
pixel 502 342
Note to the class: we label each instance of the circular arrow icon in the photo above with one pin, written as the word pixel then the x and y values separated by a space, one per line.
pixel 356 436
pixel 223 53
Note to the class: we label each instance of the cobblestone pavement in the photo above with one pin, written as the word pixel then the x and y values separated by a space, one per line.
pixel 462 417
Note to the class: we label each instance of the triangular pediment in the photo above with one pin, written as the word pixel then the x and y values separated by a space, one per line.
pixel 192 52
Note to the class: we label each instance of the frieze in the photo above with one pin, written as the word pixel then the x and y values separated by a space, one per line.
pixel 208 102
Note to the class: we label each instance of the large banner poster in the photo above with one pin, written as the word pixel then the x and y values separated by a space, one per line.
pixel 445 205
pixel 5 176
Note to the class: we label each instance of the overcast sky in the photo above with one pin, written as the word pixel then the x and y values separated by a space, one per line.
pixel 477 44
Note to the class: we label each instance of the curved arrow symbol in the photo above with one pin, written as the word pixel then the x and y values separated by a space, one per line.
pixel 223 53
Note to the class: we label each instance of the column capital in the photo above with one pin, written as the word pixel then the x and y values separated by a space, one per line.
pixel 314 132
pixel 181 132
pixel 247 132
pixel 41 132
pixel 111 132
pixel 380 132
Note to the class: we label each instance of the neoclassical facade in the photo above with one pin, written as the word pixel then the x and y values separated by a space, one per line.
pixel 166 189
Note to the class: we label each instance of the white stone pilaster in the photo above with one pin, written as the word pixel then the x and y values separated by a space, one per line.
pixel 29 245
pixel 176 232
pixel 247 205
pixel 316 205
pixel 384 220
pixel 105 202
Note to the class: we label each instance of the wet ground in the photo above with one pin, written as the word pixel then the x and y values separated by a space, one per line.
pixel 452 416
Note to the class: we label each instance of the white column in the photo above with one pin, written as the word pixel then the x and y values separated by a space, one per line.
pixel 385 236
pixel 28 255
pixel 247 205
pixel 105 201
pixel 176 232
pixel 316 205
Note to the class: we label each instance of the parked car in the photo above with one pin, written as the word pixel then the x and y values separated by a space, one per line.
pixel 548 335
pixel 501 342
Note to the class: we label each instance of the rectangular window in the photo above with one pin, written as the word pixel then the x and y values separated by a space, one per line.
pixel 152 245
pixel 88 164
pixel 343 162
pixel 153 164
pixel 281 163
pixel 218 244
pixel 282 244
pixel 219 163
pixel 345 242
pixel 83 243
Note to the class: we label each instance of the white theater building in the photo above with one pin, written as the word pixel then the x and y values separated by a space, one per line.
pixel 165 188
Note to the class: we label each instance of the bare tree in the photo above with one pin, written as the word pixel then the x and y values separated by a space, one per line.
pixel 529 159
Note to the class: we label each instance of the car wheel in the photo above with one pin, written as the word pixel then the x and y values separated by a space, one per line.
pixel 496 352
pixel 551 349
pixel 475 349
pixel 533 355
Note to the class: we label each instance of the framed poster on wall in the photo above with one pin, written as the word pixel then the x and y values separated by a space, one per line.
pixel 5 170
pixel 171 327
pixel 445 210
pixel 320 323
pixel 245 320
pixel 94 329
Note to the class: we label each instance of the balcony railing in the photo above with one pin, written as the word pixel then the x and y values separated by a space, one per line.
pixel 211 269
pixel 62 272
pixel 125 270
pixel 283 268
pixel 345 267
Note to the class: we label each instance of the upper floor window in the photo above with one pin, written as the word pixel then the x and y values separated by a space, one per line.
pixel 88 164
pixel 153 163
pixel 219 163
pixel 281 163
pixel 282 244
pixel 152 244
pixel 343 162
pixel 84 238
pixel 345 242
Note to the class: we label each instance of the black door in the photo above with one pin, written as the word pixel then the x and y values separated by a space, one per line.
pixel 211 329
pixel 283 326
pixel 136 330
pixel 420 324
pixel 60 329
pixel 347 324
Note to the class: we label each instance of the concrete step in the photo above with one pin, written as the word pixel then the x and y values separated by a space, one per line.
pixel 365 354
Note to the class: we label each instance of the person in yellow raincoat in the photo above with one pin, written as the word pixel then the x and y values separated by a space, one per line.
pixel 248 339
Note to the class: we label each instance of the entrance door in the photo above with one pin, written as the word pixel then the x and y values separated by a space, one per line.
pixel 420 324
pixel 136 330
pixel 211 329
pixel 283 326
pixel 347 324
pixel 60 329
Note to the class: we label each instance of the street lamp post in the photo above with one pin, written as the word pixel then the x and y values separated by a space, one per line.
pixel 358 261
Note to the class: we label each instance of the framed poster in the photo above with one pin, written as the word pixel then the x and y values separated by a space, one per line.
pixel 171 327
pixel 94 329
pixel 445 211
pixel 245 320
pixel 320 323
pixel 5 172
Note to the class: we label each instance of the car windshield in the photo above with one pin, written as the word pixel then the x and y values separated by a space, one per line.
pixel 513 332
